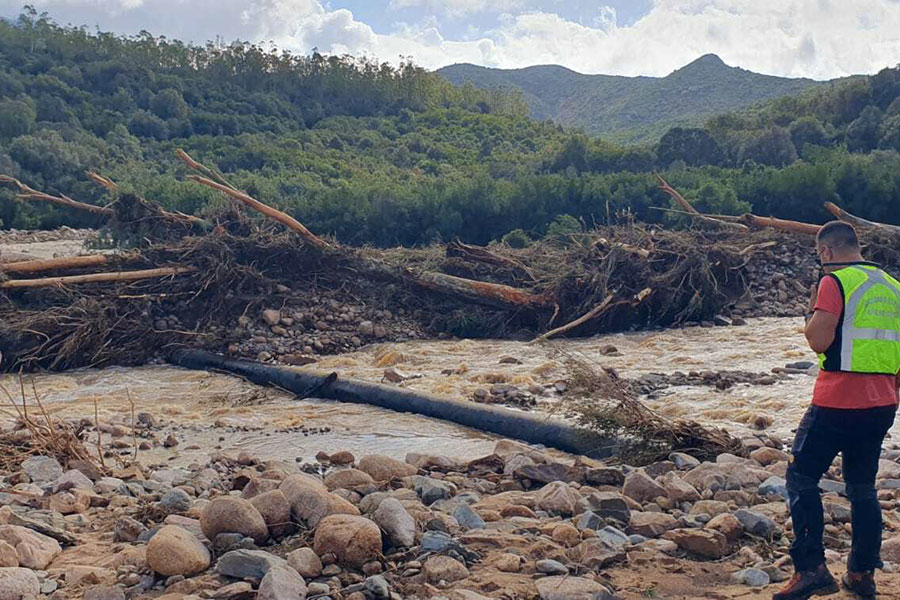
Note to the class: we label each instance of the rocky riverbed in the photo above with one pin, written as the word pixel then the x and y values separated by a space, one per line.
pixel 516 523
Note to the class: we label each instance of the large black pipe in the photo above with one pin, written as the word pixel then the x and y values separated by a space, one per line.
pixel 501 421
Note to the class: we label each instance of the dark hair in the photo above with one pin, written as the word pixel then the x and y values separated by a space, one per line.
pixel 838 234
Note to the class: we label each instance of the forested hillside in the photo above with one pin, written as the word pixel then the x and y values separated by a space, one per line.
pixel 631 109
pixel 383 155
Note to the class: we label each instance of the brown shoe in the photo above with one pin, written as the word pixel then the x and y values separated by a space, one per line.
pixel 861 584
pixel 804 585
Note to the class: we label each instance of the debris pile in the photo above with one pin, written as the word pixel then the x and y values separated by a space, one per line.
pixel 182 281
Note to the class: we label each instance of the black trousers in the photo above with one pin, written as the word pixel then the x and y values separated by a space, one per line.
pixel 858 436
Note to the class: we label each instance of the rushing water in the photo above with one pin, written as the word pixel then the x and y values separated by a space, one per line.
pixel 214 410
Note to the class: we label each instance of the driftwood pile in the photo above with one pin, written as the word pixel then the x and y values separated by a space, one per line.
pixel 96 310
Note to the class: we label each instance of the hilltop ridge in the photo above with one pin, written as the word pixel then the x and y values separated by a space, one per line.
pixel 632 109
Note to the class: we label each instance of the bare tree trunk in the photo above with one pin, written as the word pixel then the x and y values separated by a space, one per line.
pixel 859 222
pixel 95 278
pixel 781 224
pixel 54 264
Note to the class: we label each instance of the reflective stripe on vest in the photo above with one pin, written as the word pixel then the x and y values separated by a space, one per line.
pixel 869 336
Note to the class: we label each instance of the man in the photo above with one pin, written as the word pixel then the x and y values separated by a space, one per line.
pixel 854 326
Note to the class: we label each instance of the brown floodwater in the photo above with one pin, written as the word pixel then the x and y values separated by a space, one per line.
pixel 213 411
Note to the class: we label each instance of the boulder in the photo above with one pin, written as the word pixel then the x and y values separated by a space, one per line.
pixel 259 485
pixel 610 505
pixel 651 524
pixel 431 490
pixel 396 522
pixel 385 468
pixel 248 564
pixel 890 549
pixel 353 540
pixel 709 507
pixel 103 592
pixel 550 567
pixel 176 501
pixel 557 498
pixel 677 490
pixel 233 515
pixel 766 456
pixel 589 520
pixel 275 511
pixel 566 535
pixel 752 577
pixel 42 469
pixel 726 524
pixel 175 551
pixel 774 485
pixel 35 551
pixel 443 568
pixel 702 542
pixel 16 584
pixel 467 517
pixel 640 487
pixel 282 583
pixel 604 476
pixel 595 553
pixel 306 562
pixel 73 479
pixel 548 472
pixel 342 457
pixel 311 501
pixel 348 479
pixel 571 588
pixel 684 462
pixel 8 556
pixel 887 469
pixel 75 501
pixel 756 523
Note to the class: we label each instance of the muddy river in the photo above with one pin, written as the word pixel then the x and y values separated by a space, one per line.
pixel 214 411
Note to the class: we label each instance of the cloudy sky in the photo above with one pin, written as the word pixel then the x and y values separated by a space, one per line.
pixel 799 38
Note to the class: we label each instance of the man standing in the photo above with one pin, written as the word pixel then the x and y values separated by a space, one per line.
pixel 854 326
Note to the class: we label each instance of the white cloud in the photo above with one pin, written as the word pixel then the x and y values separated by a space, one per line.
pixel 462 8
pixel 810 38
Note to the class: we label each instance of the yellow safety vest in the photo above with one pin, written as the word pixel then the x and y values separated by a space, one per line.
pixel 867 339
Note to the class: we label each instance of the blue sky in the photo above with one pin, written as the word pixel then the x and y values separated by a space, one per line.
pixel 796 38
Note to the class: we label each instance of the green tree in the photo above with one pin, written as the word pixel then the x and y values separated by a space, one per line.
pixel 16 118
pixel 692 146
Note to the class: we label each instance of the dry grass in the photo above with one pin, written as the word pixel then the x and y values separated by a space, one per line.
pixel 37 434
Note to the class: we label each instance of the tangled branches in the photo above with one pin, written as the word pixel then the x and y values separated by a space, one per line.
pixel 602 404
pixel 39 434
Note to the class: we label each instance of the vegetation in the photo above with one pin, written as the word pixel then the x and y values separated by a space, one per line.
pixel 632 109
pixel 386 155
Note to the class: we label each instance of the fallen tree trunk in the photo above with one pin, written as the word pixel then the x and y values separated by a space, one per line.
pixel 28 193
pixel 693 212
pixel 859 222
pixel 95 278
pixel 780 224
pixel 54 264
pixel 286 220
pixel 495 295
pixel 500 421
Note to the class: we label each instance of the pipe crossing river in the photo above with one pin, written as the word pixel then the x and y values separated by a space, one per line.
pixel 501 421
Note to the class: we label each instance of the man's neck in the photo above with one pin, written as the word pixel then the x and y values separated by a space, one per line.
pixel 839 261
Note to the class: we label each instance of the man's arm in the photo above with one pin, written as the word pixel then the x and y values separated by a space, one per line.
pixel 821 327
pixel 820 330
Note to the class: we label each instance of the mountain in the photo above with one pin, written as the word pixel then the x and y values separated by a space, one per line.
pixel 632 109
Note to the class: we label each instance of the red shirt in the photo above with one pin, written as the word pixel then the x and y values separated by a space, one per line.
pixel 837 389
